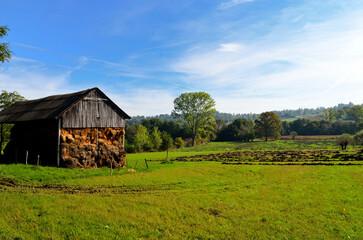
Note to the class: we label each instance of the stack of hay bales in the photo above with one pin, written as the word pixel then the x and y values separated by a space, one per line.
pixel 92 147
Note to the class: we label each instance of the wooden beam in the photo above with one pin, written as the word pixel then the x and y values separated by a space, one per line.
pixel 94 99
pixel 58 142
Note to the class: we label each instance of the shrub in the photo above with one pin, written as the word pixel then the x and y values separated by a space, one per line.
pixel 179 142
pixel 293 134
pixel 344 140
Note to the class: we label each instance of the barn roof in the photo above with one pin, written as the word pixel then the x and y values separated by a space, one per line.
pixel 52 107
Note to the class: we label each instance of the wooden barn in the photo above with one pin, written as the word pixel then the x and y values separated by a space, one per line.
pixel 81 129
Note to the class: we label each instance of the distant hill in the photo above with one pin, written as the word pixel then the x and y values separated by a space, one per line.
pixel 287 115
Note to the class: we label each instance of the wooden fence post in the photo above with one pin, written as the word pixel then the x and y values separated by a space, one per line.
pixel 136 163
pixel 147 166
pixel 26 157
pixel 111 165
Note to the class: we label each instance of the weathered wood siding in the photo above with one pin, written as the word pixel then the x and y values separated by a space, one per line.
pixel 90 113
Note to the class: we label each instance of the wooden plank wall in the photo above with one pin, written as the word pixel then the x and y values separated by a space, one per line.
pixel 91 113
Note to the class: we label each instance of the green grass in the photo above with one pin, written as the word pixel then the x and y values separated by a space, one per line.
pixel 182 200
pixel 204 200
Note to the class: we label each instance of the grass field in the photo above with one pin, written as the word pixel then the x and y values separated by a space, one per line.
pixel 182 200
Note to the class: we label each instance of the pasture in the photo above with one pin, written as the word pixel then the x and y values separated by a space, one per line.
pixel 201 199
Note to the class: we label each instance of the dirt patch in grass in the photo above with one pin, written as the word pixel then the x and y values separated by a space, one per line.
pixel 8 181
pixel 9 184
pixel 287 157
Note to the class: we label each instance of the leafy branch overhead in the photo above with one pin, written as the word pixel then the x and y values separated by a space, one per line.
pixel 5 53
pixel 196 110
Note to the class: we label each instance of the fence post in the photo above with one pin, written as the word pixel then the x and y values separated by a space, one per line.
pixel 147 166
pixel 111 165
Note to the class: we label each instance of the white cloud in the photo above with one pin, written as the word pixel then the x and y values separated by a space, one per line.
pixel 230 47
pixel 233 3
pixel 140 101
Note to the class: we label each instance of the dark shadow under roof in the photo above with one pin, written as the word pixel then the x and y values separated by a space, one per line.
pixel 51 107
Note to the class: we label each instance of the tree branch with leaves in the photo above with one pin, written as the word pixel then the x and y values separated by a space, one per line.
pixel 5 53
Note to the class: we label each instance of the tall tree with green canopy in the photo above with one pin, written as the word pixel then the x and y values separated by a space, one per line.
pixel 141 138
pixel 5 53
pixel 196 110
pixel 267 125
pixel 156 140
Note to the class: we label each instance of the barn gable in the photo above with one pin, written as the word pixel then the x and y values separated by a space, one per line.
pixel 101 112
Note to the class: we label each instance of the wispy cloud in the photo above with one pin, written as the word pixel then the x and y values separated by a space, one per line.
pixel 233 3
pixel 133 101
pixel 33 84
pixel 315 65
pixel 230 47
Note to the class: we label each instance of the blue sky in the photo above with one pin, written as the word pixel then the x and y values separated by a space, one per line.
pixel 249 55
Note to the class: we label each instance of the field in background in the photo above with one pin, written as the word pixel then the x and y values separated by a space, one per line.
pixel 218 147
pixel 179 200
pixel 315 137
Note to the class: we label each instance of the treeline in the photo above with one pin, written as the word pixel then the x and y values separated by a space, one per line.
pixel 322 127
pixel 341 111
pixel 155 134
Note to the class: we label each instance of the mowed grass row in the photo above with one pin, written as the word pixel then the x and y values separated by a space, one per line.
pixel 202 200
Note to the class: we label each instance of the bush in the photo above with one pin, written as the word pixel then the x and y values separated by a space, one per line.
pixel 130 148
pixel 179 142
pixel 344 140
pixel 293 134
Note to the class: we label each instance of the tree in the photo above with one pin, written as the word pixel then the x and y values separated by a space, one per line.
pixel 267 125
pixel 5 53
pixel 167 143
pixel 356 112
pixel 9 98
pixel 330 114
pixel 239 130
pixel 358 138
pixel 341 114
pixel 6 100
pixel 141 138
pixel 196 110
pixel 156 139
pixel 343 140
pixel 293 134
